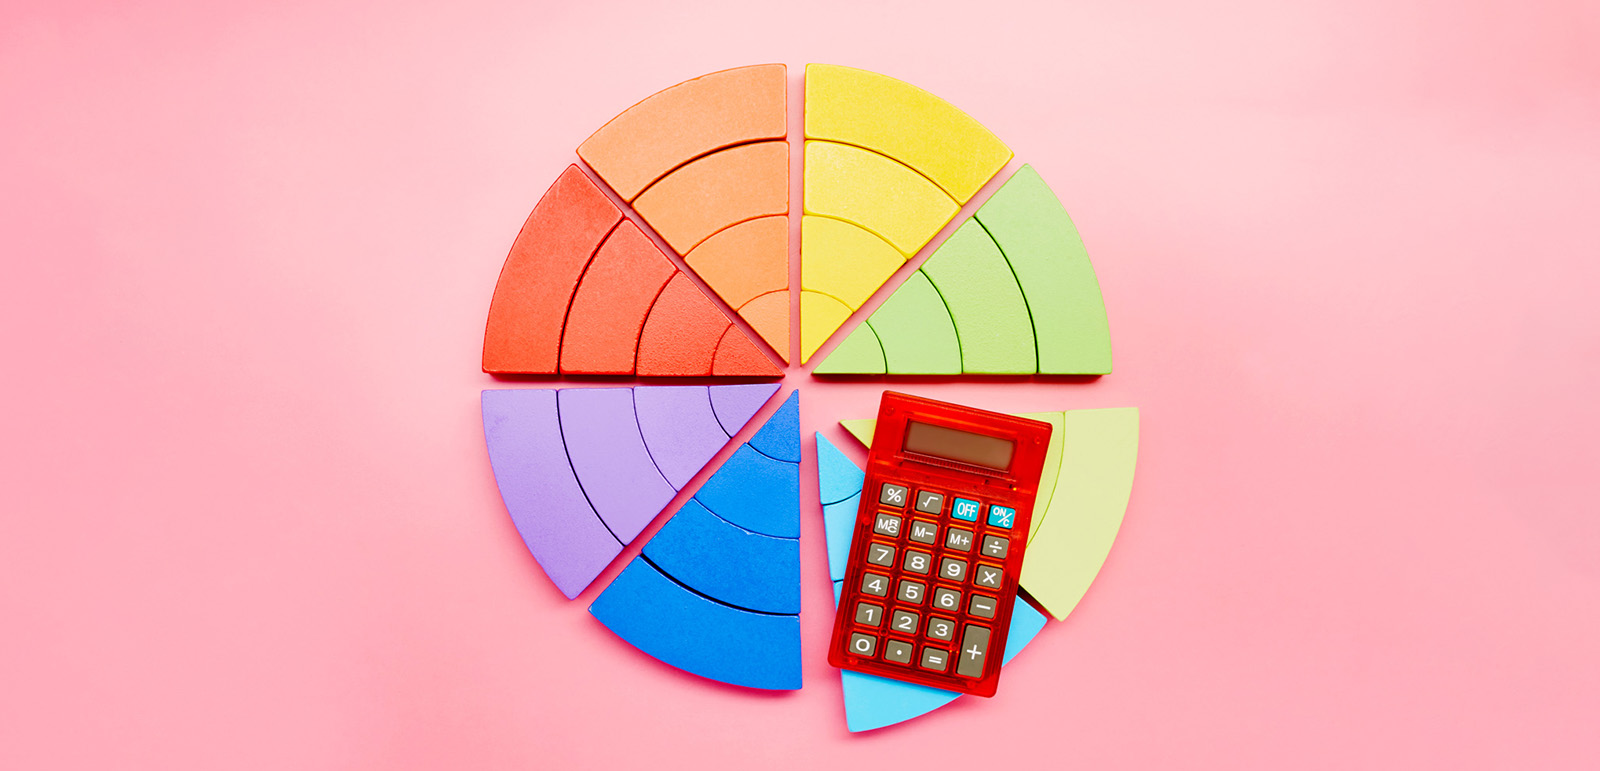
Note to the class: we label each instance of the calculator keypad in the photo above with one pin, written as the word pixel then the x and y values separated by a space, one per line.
pixel 944 558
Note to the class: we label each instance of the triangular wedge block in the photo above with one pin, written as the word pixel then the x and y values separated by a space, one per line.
pixel 546 445
pixel 874 702
pixel 903 122
pixel 536 283
pixel 688 120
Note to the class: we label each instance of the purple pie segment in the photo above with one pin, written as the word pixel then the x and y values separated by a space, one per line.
pixel 523 432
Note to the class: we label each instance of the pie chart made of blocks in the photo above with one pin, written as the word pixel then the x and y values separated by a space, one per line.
pixel 667 255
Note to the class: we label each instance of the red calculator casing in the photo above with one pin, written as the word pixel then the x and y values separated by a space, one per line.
pixel 889 461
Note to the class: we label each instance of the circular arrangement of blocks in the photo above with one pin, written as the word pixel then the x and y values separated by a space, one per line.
pixel 690 188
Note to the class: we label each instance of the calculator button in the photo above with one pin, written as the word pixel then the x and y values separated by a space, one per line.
pixel 893 495
pixel 887 524
pixel 918 562
pixel 936 659
pixel 941 628
pixel 987 576
pixel 897 652
pixel 982 606
pixel 965 510
pixel 930 503
pixel 875 585
pixel 881 555
pixel 863 644
pixel 995 546
pixel 869 614
pixel 956 538
pixel 952 569
pixel 947 599
pixel 904 621
pixel 974 650
pixel 911 591
pixel 924 532
pixel 1002 516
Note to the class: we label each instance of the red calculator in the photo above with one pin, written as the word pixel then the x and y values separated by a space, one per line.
pixel 938 544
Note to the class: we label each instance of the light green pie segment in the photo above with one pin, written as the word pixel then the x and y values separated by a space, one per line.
pixel 990 316
pixel 1039 240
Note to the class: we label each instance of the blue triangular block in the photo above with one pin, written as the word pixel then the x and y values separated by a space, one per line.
pixel 780 437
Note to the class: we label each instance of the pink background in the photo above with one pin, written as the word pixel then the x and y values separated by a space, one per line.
pixel 1349 252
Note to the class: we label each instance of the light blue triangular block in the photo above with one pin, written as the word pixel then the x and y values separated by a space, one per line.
pixel 837 477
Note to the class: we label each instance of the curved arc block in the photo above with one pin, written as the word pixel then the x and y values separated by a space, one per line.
pixel 540 274
pixel 916 331
pixel 756 493
pixel 601 431
pixel 717 191
pixel 1045 252
pixel 1100 449
pixel 683 122
pixel 861 353
pixel 984 301
pixel 608 310
pixel 681 334
pixel 728 563
pixel 768 315
pixel 844 260
pixel 680 431
pixel 716 641
pixel 522 430
pixel 903 122
pixel 876 193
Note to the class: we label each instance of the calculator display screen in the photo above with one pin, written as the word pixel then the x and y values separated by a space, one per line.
pixel 963 446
